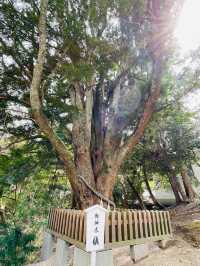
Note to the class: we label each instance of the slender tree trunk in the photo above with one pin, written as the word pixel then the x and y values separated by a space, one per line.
pixel 137 194
pixel 151 193
pixel 125 199
pixel 180 189
pixel 187 185
pixel 174 185
pixel 149 188
pixel 193 174
pixel 2 217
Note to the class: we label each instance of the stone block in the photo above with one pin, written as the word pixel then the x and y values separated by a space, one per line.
pixel 138 252
pixel 83 258
pixel 163 243
pixel 47 247
pixel 62 253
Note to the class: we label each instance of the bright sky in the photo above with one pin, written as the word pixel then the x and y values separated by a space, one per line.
pixel 188 28
pixel 188 37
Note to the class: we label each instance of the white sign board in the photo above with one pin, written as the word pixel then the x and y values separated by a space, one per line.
pixel 95 227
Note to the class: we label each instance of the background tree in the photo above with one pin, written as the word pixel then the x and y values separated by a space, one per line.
pixel 176 146
pixel 168 149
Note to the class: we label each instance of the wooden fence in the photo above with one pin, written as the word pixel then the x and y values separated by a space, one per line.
pixel 127 227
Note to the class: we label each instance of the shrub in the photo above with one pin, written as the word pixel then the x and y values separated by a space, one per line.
pixel 15 246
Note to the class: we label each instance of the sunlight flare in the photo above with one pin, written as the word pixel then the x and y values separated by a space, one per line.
pixel 188 28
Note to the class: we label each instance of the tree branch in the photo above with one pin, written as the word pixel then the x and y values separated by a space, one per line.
pixel 179 97
pixel 147 113
pixel 35 100
pixel 157 49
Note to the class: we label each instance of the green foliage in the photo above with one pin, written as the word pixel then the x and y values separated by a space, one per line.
pixel 15 246
pixel 172 140
pixel 16 166
pixel 88 42
pixel 31 181
pixel 129 184
pixel 170 143
pixel 32 178
pixel 81 72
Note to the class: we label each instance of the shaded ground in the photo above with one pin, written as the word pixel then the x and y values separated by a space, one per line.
pixel 187 227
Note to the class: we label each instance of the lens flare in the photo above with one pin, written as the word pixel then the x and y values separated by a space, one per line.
pixel 188 27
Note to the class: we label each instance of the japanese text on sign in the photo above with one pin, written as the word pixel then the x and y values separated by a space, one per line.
pixel 95 224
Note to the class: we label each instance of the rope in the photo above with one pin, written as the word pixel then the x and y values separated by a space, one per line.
pixel 98 194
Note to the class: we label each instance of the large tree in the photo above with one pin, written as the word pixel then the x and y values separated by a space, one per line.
pixel 93 71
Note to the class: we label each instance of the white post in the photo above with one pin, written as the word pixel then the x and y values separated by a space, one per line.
pixel 83 258
pixel 95 227
pixel 93 258
pixel 47 247
pixel 62 253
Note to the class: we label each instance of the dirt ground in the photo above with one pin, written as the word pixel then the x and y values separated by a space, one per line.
pixel 183 250
pixel 179 253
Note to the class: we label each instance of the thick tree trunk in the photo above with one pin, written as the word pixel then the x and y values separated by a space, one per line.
pixel 187 185
pixel 105 183
pixel 84 197
pixel 87 195
pixel 87 185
